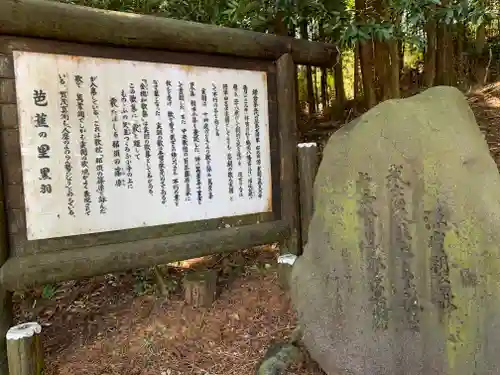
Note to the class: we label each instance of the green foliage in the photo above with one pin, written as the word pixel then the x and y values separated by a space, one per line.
pixel 337 18
pixel 358 32
pixel 413 57
pixel 333 21
pixel 143 284
pixel 49 291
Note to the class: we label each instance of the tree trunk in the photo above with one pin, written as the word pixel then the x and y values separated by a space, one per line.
pixel 451 56
pixel 430 53
pixel 444 59
pixel 324 95
pixel 376 12
pixel 338 79
pixel 394 69
pixel 357 83
pixel 460 53
pixel 386 55
pixel 401 50
pixel 442 77
pixel 366 59
pixel 317 99
pixel 480 62
pixel 382 66
pixel 309 79
pixel 324 73
pixel 488 66
pixel 367 74
pixel 394 54
pixel 310 89
pixel 279 25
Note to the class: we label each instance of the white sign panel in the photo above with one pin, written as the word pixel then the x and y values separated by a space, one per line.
pixel 111 144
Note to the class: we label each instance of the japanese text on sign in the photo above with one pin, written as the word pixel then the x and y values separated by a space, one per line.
pixel 111 144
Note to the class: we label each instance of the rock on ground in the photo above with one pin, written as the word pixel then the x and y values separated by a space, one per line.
pixel 401 272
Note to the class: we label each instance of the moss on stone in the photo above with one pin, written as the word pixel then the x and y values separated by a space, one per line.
pixel 435 247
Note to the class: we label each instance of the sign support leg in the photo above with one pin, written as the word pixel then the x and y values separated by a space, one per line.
pixel 287 122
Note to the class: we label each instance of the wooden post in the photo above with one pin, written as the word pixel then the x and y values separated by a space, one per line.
pixel 200 288
pixel 5 322
pixel 287 123
pixel 24 349
pixel 308 165
pixel 7 98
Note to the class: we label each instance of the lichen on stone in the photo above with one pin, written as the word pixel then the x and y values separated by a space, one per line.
pixel 401 273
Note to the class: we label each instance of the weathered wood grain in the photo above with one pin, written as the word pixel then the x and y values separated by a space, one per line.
pixel 27 271
pixel 308 162
pixel 24 349
pixel 5 295
pixel 287 122
pixel 57 21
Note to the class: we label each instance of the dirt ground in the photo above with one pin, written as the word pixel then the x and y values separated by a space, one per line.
pixel 486 106
pixel 120 324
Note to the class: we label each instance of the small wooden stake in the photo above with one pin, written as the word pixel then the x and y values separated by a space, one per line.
pixel 200 288
pixel 24 349
pixel 308 166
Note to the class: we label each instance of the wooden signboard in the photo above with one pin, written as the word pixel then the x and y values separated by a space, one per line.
pixel 121 158
pixel 110 144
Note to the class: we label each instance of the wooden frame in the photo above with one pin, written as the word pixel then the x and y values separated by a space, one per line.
pixel 11 157
pixel 63 22
pixel 26 257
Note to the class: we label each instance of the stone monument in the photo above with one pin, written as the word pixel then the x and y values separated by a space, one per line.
pixel 401 274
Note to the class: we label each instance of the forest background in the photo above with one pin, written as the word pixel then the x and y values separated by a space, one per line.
pixel 386 48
